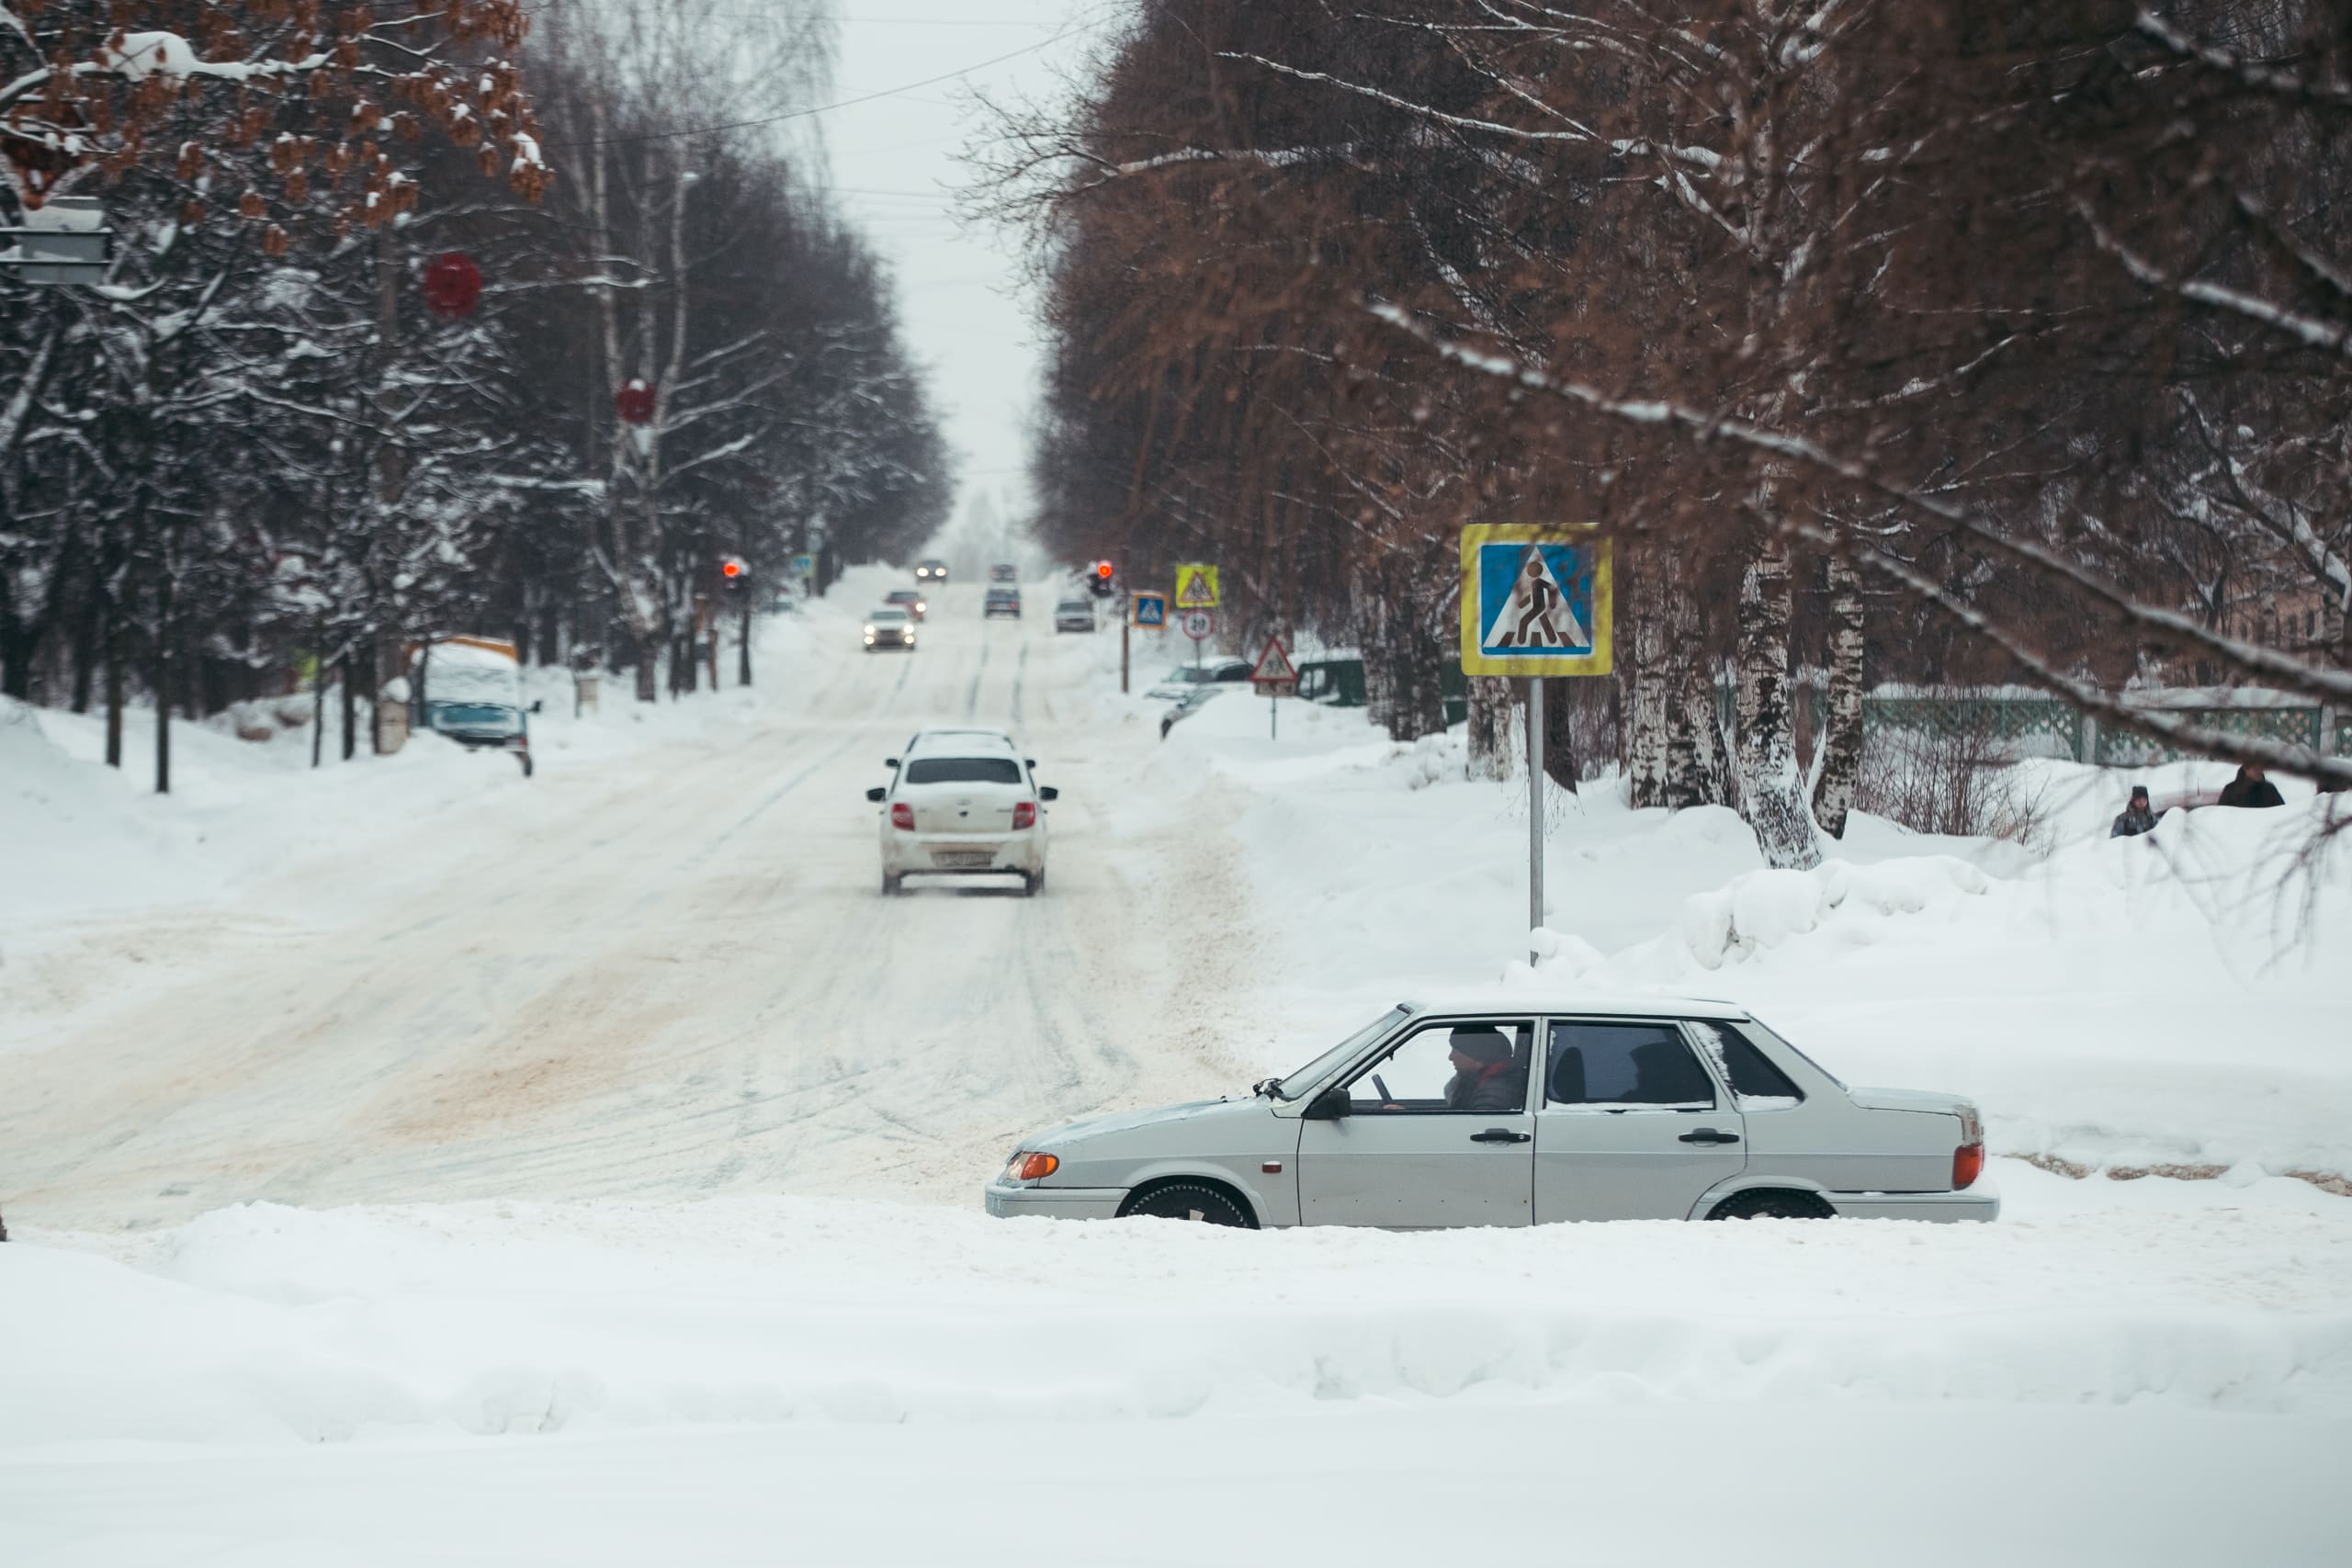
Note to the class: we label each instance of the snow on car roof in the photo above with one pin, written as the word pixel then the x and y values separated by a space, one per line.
pixel 962 742
pixel 1500 999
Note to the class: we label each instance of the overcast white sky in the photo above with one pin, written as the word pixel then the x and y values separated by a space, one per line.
pixel 893 165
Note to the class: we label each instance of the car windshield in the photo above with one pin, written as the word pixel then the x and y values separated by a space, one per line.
pixel 1075 607
pixel 1316 1071
pixel 888 617
pixel 1185 675
pixel 962 770
pixel 904 596
pixel 472 714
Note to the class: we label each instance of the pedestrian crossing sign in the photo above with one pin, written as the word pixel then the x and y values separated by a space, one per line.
pixel 1536 599
pixel 1196 586
pixel 1151 611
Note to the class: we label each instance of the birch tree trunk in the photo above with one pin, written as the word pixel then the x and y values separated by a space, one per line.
pixel 1771 784
pixel 1647 687
pixel 1842 731
pixel 1695 774
pixel 1492 753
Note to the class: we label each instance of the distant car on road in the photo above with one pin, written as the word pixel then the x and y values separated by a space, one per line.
pixel 1004 571
pixel 889 626
pixel 1185 707
pixel 909 600
pixel 1074 616
pixel 963 803
pixel 1502 1108
pixel 1210 671
pixel 1001 602
pixel 932 570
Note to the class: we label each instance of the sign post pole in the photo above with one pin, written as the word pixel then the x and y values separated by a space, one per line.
pixel 1536 602
pixel 1534 806
pixel 1124 633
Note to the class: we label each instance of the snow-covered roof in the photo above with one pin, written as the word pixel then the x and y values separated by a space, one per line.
pixel 1512 998
pixel 961 743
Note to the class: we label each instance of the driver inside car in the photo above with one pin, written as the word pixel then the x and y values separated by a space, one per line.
pixel 1484 1078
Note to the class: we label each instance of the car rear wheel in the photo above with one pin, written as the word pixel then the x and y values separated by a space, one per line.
pixel 1195 1200
pixel 891 885
pixel 1767 1203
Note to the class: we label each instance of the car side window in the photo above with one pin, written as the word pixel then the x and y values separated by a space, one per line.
pixel 1624 1065
pixel 1467 1066
pixel 1755 1083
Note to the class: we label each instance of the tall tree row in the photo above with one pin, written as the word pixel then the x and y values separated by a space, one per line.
pixel 1924 340
pixel 264 445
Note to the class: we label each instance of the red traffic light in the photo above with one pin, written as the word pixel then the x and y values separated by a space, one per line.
pixel 1102 569
pixel 731 567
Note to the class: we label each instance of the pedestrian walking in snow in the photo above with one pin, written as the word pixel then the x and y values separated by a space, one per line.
pixel 2137 818
pixel 2251 788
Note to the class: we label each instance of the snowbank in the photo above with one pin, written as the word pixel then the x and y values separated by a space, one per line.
pixel 261 1323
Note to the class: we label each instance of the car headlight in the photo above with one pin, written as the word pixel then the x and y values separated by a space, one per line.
pixel 1026 1166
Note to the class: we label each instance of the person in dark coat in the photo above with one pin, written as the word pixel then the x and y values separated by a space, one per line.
pixel 2137 817
pixel 1484 1078
pixel 2251 788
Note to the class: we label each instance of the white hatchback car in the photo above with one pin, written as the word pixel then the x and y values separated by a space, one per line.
pixel 1444 1113
pixel 964 803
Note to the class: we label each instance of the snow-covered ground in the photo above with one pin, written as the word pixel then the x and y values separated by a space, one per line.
pixel 419 1163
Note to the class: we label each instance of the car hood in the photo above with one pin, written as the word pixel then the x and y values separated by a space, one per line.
pixel 1129 1121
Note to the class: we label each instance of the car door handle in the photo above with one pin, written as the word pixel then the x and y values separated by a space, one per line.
pixel 1708 1135
pixel 1502 1136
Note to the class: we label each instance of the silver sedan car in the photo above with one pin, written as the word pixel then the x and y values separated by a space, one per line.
pixel 1503 1108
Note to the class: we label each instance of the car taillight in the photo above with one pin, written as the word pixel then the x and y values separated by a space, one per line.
pixel 1967 1165
pixel 1033 1168
pixel 1026 813
pixel 903 816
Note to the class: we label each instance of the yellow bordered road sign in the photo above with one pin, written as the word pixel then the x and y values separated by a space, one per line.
pixel 1536 600
pixel 1196 586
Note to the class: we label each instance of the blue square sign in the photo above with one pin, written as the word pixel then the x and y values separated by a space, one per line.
pixel 1151 610
pixel 1535 601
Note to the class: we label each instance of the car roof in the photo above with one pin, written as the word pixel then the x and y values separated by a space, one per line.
pixel 1548 999
pixel 961 742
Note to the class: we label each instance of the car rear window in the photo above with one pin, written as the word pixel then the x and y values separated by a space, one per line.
pixel 962 770
pixel 1625 1063
pixel 1758 1084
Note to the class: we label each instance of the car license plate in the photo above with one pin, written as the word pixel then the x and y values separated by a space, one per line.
pixel 962 859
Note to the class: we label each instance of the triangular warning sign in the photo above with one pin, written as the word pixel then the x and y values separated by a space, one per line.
pixel 1535 613
pixel 1195 589
pixel 1274 663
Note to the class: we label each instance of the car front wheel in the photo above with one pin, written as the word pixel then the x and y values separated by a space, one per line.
pixel 1195 1200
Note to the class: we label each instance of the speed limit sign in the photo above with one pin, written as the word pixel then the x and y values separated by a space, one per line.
pixel 1199 624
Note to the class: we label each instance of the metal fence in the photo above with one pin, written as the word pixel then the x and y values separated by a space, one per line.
pixel 2009 724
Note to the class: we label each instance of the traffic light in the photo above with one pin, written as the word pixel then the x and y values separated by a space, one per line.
pixel 1101 579
pixel 733 572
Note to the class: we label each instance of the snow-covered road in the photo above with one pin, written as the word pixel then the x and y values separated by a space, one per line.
pixel 669 976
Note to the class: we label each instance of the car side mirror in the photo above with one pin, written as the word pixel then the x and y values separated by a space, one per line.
pixel 1329 1106
pixel 876 793
pixel 1032 764
pixel 1048 792
pixel 889 761
pixel 538 705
